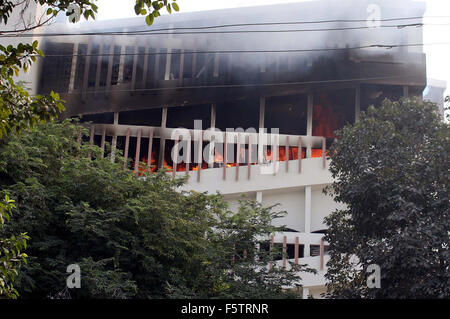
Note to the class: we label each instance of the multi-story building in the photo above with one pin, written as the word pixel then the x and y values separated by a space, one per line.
pixel 305 69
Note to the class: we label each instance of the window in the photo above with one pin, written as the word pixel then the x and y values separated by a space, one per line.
pixel 332 110
pixel 101 118
pixel 150 117
pixel 238 113
pixel 184 116
pixel 287 113
pixel 93 60
pixel 56 75
pixel 373 94
pixel 116 65
pixel 81 63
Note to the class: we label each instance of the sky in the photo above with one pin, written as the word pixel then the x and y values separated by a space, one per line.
pixel 438 57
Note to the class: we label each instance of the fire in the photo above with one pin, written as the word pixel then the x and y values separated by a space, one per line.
pixel 291 154
pixel 281 153
pixel 143 164
pixel 218 158
pixel 166 165
pixel 325 118
pixel 316 152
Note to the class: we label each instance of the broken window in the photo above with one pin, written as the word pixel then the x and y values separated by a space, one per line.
pixel 287 113
pixel 162 61
pixel 374 94
pixel 332 110
pixel 187 65
pixel 56 69
pixel 100 118
pixel 140 65
pixel 184 116
pixel 93 60
pixel 128 64
pixel 238 113
pixel 150 117
pixel 151 66
pixel 175 59
pixel 116 65
pixel 81 64
pixel 104 65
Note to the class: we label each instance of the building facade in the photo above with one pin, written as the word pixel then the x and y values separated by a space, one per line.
pixel 195 92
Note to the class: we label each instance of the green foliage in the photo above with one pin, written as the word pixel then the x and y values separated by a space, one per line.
pixel 132 237
pixel 11 256
pixel 151 9
pixel 391 169
pixel 19 110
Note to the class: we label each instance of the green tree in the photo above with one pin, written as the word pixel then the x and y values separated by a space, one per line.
pixel 132 237
pixel 10 253
pixel 19 110
pixel 391 169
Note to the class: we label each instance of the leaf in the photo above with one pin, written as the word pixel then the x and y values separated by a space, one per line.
pixel 149 19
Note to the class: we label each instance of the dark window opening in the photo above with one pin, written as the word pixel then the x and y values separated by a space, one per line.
pixel 151 66
pixel 104 65
pixel 184 116
pixel 81 63
pixel 116 65
pixel 204 65
pixel 100 118
pixel 375 94
pixel 415 91
pixel 56 70
pixel 187 65
pixel 223 64
pixel 128 65
pixel 287 113
pixel 162 64
pixel 140 64
pixel 150 117
pixel 239 113
pixel 175 64
pixel 315 250
pixel 93 61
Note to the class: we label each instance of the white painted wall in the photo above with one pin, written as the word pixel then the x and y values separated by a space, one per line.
pixel 321 206
pixel 292 201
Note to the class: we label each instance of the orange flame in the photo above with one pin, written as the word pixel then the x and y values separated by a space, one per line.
pixel 325 118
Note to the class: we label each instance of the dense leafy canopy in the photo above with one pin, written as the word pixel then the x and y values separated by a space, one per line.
pixel 19 110
pixel 11 256
pixel 132 237
pixel 392 171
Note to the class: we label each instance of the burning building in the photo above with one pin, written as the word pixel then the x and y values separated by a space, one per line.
pixel 304 69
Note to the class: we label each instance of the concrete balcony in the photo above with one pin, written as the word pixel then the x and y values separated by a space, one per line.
pixel 261 178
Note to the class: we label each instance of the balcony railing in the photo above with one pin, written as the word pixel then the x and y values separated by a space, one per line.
pixel 255 146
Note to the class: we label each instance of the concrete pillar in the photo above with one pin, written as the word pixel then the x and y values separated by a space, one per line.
pixel 405 91
pixel 121 64
pixel 307 219
pixel 162 141
pixel 212 143
pixel 262 107
pixel 74 67
pixel 309 123
pixel 168 62
pixel 259 197
pixel 114 138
